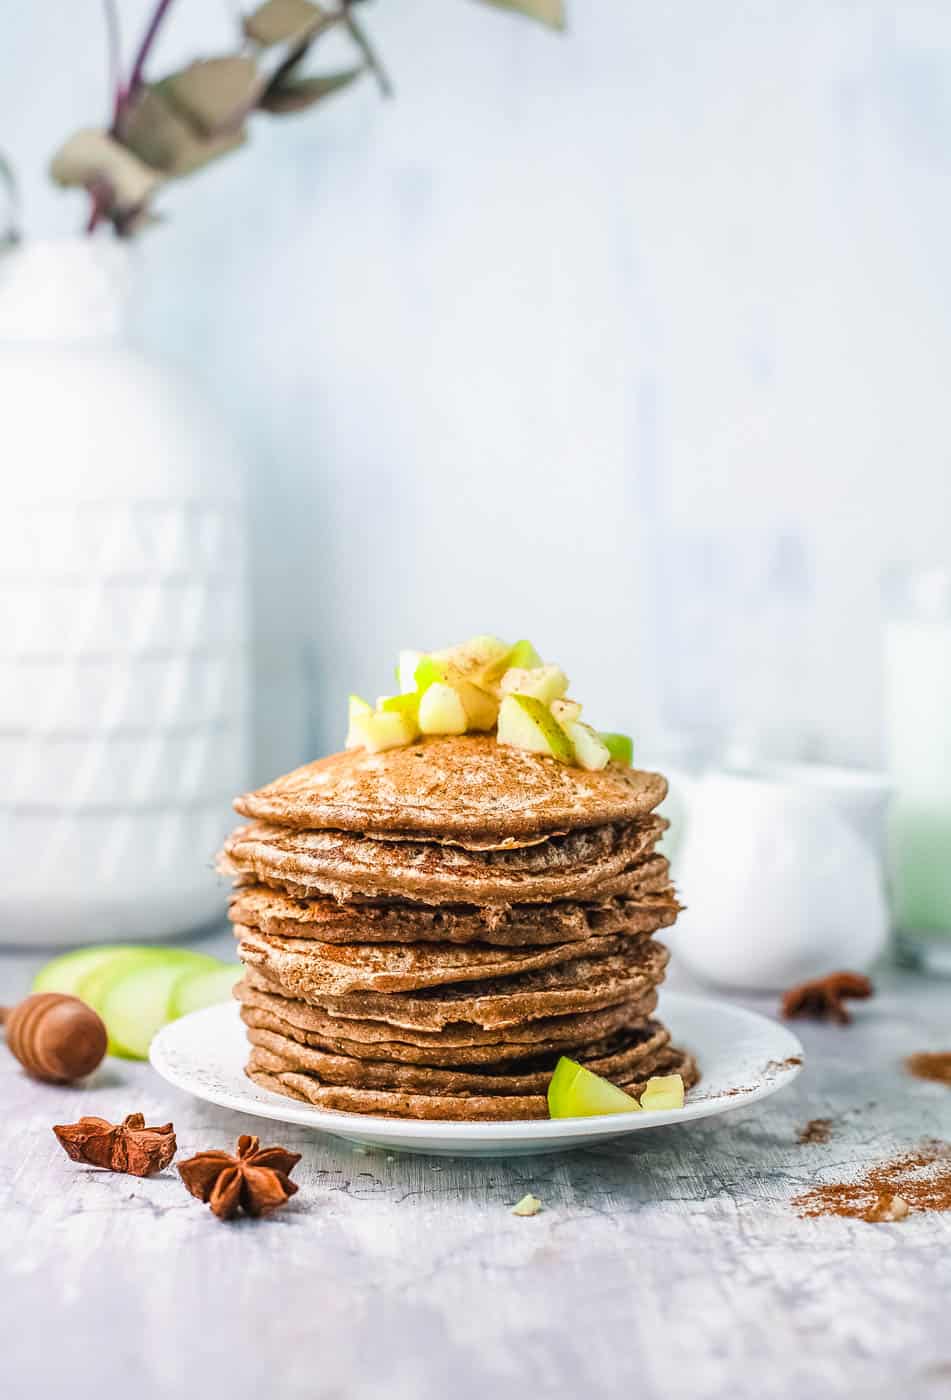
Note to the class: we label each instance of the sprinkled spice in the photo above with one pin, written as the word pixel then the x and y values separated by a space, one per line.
pixel 919 1179
pixel 816 1130
pixel 934 1065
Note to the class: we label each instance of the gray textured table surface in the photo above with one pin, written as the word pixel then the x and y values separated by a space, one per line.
pixel 672 1265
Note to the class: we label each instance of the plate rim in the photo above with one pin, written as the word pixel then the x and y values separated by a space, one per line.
pixel 344 1124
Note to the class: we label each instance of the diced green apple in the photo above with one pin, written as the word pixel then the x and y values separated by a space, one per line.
pixel 474 656
pixel 590 753
pixel 406 670
pixel 480 707
pixel 575 1092
pixel 384 729
pixel 526 723
pixel 565 711
pixel 663 1091
pixel 358 710
pixel 406 705
pixel 620 747
pixel 523 654
pixel 441 710
pixel 545 683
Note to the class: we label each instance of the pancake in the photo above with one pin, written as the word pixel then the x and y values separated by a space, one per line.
pixel 574 867
pixel 465 1107
pixel 333 969
pixel 583 984
pixel 453 785
pixel 457 1044
pixel 617 1056
pixel 506 926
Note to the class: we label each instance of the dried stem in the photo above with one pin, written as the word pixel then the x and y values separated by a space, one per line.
pixel 370 55
pixel 114 51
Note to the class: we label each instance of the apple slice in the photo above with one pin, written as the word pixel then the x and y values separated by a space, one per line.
pixel 575 1092
pixel 65 973
pixel 441 710
pixel 197 988
pixel 137 1001
pixel 474 656
pixel 97 986
pixel 663 1091
pixel 526 723
pixel 565 711
pixel 406 670
pixel 545 683
pixel 620 747
pixel 590 752
pixel 357 710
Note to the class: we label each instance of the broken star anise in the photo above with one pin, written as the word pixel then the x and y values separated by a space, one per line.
pixel 823 999
pixel 128 1146
pixel 255 1179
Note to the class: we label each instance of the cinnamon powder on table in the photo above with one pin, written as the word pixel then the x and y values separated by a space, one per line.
pixel 934 1065
pixel 817 1130
pixel 919 1178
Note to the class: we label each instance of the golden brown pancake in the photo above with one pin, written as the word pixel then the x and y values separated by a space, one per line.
pixel 464 1107
pixel 573 867
pixel 614 1057
pixel 333 969
pixel 457 1044
pixel 653 907
pixel 467 785
pixel 583 984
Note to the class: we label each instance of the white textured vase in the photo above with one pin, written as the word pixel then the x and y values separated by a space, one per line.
pixel 122 617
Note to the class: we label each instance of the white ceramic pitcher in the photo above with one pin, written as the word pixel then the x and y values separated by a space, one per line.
pixel 780 869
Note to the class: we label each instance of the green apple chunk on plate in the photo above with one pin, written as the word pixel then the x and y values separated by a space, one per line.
pixel 575 1092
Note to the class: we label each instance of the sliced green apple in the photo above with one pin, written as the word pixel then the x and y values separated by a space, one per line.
pixel 527 723
pixel 663 1091
pixel 620 747
pixel 136 1002
pixel 590 752
pixel 545 683
pixel 565 711
pixel 575 1092
pixel 441 710
pixel 357 710
pixel 65 973
pixel 197 988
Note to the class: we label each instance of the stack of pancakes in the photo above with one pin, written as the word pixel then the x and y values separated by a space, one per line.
pixel 426 930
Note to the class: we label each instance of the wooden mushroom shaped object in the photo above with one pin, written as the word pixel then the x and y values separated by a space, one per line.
pixel 55 1037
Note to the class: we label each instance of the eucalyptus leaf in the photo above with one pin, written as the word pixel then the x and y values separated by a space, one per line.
pixel 92 156
pixel 284 21
pixel 300 93
pixel 214 94
pixel 550 12
pixel 159 135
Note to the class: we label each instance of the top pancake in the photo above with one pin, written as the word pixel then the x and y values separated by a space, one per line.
pixel 455 785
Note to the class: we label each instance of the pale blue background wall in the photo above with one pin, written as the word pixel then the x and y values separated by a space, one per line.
pixel 635 341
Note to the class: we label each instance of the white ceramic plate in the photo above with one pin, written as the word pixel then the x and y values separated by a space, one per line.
pixel 742 1056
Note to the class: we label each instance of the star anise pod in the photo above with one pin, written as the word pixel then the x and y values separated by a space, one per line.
pixel 128 1146
pixel 255 1179
pixel 823 998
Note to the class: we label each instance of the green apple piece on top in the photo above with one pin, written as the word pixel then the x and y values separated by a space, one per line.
pixel 481 708
pixel 545 683
pixel 441 711
pixel 565 711
pixel 406 705
pixel 663 1091
pixel 575 1092
pixel 357 711
pixel 526 723
pixel 474 656
pixel 620 747
pixel 590 752
pixel 406 670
